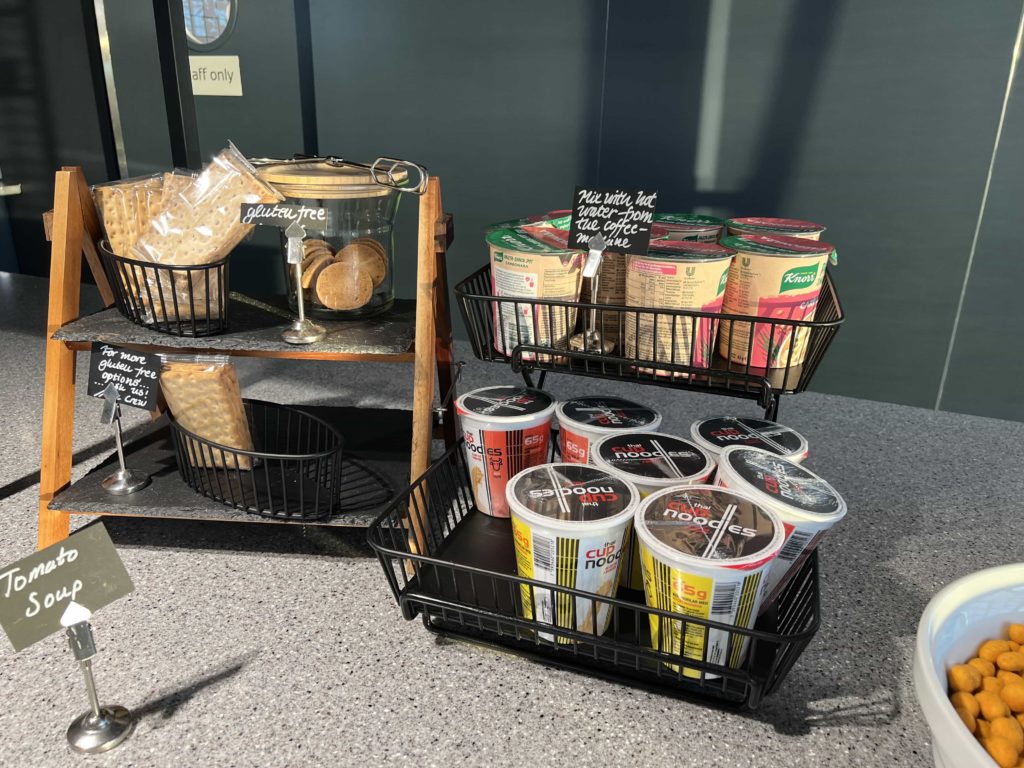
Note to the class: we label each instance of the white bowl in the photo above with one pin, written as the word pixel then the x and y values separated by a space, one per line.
pixel 962 615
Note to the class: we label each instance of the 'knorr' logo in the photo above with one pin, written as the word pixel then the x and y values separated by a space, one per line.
pixel 800 277
pixel 722 281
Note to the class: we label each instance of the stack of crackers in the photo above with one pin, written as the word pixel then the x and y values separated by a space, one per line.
pixel 345 279
pixel 180 219
pixel 205 398
pixel 201 223
pixel 125 208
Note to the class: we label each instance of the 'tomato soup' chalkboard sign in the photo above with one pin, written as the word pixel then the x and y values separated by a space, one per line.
pixel 36 590
pixel 623 217
pixel 136 375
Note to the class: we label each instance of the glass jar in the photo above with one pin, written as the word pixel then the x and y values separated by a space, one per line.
pixel 348 268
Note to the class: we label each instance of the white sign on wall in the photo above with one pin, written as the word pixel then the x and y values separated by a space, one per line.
pixel 215 75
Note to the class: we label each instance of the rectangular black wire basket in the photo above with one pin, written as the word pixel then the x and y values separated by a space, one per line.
pixel 455 567
pixel 293 473
pixel 665 347
pixel 177 300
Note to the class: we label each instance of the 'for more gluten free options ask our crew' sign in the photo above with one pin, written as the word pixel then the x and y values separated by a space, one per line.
pixel 36 590
pixel 135 375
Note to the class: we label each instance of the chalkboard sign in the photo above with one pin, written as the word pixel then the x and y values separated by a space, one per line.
pixel 283 214
pixel 135 375
pixel 623 217
pixel 36 590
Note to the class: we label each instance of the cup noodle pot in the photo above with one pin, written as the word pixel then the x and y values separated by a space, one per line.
pixel 806 504
pixel 585 420
pixel 705 553
pixel 716 434
pixel 506 430
pixel 774 277
pixel 675 274
pixel 524 267
pixel 651 461
pixel 687 226
pixel 569 522
pixel 763 225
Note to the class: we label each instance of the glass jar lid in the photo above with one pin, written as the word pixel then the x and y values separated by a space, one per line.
pixel 327 179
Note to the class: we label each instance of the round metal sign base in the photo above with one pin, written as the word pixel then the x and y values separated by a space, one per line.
pixel 303 332
pixel 125 481
pixel 89 734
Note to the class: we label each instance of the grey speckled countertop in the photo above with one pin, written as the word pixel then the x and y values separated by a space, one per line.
pixel 258 645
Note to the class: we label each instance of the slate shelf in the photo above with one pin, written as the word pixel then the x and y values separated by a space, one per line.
pixel 375 464
pixel 256 332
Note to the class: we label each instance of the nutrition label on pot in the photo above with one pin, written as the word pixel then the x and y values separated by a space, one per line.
pixel 509 283
pixel 662 284
pixel 514 279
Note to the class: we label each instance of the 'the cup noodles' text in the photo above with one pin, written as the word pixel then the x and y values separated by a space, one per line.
pixel 588 494
pixel 779 485
pixel 697 514
pixel 599 557
pixel 731 433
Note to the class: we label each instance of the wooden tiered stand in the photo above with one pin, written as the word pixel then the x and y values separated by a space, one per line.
pixel 421 336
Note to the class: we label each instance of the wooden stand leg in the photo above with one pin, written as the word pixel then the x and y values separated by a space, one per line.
pixel 92 232
pixel 59 382
pixel 423 372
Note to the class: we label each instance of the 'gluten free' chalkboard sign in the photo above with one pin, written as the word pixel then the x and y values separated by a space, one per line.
pixel 283 214
pixel 135 375
pixel 623 217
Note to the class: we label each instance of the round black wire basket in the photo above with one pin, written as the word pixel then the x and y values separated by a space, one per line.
pixel 178 300
pixel 293 472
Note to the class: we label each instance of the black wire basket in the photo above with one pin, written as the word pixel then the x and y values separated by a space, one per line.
pixel 670 348
pixel 455 567
pixel 177 300
pixel 293 473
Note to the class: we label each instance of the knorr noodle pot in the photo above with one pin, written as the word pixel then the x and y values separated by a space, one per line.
pixel 778 278
pixel 675 274
pixel 569 522
pixel 611 276
pixel 651 461
pixel 763 225
pixel 705 553
pixel 716 434
pixel 523 267
pixel 506 429
pixel 585 420
pixel 806 504
pixel 687 226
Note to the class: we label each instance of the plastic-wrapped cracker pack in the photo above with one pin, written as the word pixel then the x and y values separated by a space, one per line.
pixel 126 208
pixel 198 224
pixel 204 397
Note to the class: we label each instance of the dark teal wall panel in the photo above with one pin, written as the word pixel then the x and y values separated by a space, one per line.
pixel 133 55
pixel 501 101
pixel 892 157
pixel 874 118
pixel 986 372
